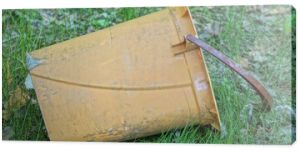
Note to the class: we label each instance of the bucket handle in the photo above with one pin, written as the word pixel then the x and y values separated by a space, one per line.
pixel 260 89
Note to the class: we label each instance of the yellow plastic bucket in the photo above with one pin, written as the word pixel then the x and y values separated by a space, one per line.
pixel 131 80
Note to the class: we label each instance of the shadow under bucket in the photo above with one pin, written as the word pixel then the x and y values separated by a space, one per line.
pixel 131 80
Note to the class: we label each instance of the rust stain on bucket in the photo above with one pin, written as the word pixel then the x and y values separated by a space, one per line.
pixel 125 82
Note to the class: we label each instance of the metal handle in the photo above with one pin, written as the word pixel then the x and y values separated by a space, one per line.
pixel 260 89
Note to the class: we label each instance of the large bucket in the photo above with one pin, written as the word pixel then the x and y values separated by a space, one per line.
pixel 131 80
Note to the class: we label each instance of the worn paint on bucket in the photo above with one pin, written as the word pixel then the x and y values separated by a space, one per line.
pixel 125 82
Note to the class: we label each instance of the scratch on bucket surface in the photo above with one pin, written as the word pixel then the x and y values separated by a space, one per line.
pixel 201 85
pixel 32 62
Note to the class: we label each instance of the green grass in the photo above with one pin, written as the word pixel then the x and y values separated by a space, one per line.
pixel 259 38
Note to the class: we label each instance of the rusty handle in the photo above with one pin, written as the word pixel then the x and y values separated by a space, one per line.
pixel 265 95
